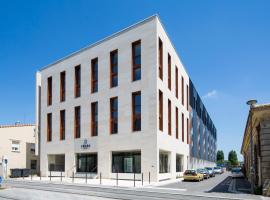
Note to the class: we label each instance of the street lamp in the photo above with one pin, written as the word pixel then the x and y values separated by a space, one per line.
pixel 251 104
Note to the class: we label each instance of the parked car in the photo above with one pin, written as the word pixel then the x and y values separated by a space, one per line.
pixel 193 175
pixel 237 172
pixel 217 170
pixel 211 171
pixel 205 173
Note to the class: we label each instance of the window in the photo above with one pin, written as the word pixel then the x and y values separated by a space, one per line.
pixel 169 117
pixel 77 85
pixel 77 120
pixel 126 162
pixel 183 128
pixel 136 60
pixel 182 90
pixel 33 147
pixel 176 82
pixel 114 68
pixel 62 86
pixel 187 131
pixel 49 91
pixel 94 75
pixel 169 72
pixel 160 116
pixel 15 146
pixel 94 119
pixel 164 162
pixel 160 59
pixel 62 124
pixel 114 115
pixel 49 127
pixel 136 111
pixel 187 96
pixel 86 163
pixel 179 163
pixel 33 164
pixel 56 162
pixel 176 123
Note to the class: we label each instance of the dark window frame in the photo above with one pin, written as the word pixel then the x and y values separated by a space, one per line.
pixel 77 81
pixel 94 119
pixel 94 79
pixel 160 59
pixel 77 122
pixel 183 127
pixel 176 82
pixel 49 91
pixel 176 123
pixel 134 65
pixel 113 119
pixel 160 116
pixel 183 92
pixel 113 65
pixel 169 117
pixel 169 72
pixel 62 124
pixel 49 127
pixel 136 116
pixel 62 86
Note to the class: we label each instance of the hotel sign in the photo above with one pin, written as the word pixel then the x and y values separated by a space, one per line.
pixel 85 145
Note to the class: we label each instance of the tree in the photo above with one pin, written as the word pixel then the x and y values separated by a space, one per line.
pixel 232 157
pixel 220 156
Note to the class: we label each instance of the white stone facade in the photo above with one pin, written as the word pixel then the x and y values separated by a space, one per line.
pixel 150 141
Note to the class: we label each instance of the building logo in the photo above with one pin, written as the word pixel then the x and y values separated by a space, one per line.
pixel 85 145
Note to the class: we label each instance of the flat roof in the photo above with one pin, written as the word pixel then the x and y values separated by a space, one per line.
pixel 15 125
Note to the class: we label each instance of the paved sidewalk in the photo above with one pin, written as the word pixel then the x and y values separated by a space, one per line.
pixel 95 182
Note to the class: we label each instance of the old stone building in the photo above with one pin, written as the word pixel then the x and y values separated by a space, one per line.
pixel 259 120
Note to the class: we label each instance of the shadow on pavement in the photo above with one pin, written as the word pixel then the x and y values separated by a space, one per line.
pixel 232 185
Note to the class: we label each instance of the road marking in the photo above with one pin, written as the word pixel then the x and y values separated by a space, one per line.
pixel 232 186
pixel 163 188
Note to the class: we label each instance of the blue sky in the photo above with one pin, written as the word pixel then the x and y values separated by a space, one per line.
pixel 224 45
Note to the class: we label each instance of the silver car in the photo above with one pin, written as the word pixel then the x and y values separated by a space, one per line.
pixel 211 171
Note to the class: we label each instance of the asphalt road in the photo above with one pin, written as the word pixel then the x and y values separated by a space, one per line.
pixel 221 185
pixel 208 189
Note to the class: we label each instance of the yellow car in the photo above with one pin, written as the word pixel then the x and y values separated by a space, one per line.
pixel 193 175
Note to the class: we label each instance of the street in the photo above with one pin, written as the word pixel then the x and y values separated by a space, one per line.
pixel 220 187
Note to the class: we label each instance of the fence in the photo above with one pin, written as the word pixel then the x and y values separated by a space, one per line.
pixel 91 178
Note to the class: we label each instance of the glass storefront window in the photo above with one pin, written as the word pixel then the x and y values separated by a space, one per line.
pixel 86 163
pixel 164 163
pixel 179 163
pixel 126 162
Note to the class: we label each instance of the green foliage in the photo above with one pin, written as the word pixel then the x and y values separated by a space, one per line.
pixel 220 157
pixel 232 157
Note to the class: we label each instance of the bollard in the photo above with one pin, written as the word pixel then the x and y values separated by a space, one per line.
pixel 40 175
pixel 50 175
pixel 100 178
pixel 134 179
pixel 31 175
pixel 72 177
pixel 86 178
pixel 117 178
pixel 61 176
pixel 149 178
pixel 142 179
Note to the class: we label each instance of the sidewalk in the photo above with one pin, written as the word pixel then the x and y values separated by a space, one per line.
pixel 97 182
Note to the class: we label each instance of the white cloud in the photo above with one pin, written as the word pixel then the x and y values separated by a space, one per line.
pixel 210 95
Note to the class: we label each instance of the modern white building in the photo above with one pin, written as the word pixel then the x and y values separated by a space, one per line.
pixel 120 105
pixel 17 148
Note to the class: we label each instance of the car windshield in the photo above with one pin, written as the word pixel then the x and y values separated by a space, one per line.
pixel 190 172
pixel 208 168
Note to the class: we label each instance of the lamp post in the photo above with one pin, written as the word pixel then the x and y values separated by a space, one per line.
pixel 251 104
